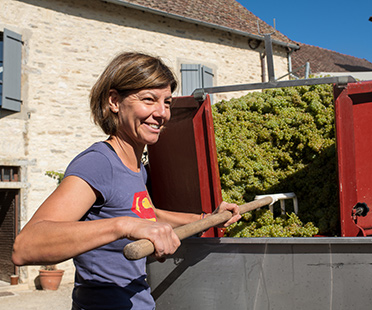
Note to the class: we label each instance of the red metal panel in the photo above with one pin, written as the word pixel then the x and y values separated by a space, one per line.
pixel 353 112
pixel 210 185
pixel 183 164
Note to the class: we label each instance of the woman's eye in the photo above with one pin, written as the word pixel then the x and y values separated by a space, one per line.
pixel 148 99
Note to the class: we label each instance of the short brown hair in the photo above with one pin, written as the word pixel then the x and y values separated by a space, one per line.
pixel 125 73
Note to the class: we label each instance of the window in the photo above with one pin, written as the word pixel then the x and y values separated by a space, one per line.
pixel 10 70
pixel 9 174
pixel 195 76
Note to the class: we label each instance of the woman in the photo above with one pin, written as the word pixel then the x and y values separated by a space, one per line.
pixel 98 207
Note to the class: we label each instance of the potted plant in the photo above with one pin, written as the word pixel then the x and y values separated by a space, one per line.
pixel 50 277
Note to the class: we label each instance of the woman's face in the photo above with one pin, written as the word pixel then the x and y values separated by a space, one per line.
pixel 142 114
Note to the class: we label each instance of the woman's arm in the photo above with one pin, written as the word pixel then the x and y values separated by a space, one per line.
pixel 55 233
pixel 176 219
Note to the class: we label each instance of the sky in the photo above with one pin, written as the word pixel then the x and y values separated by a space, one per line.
pixel 341 26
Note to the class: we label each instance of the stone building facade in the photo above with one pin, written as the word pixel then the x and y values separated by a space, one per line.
pixel 65 46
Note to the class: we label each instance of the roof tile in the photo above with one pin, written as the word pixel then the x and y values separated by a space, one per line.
pixel 324 60
pixel 226 13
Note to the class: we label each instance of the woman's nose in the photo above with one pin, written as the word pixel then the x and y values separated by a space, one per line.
pixel 161 109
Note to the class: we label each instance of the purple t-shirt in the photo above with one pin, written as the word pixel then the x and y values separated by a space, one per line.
pixel 105 279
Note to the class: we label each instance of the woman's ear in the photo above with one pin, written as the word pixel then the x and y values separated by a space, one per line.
pixel 114 100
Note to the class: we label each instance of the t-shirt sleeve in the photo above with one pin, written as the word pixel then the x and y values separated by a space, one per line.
pixel 95 169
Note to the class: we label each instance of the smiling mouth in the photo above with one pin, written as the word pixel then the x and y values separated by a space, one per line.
pixel 155 126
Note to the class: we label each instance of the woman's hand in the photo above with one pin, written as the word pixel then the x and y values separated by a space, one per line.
pixel 233 208
pixel 162 236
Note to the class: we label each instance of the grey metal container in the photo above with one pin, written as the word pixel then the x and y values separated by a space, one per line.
pixel 265 273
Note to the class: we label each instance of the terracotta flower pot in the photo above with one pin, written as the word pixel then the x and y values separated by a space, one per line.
pixel 50 279
pixel 14 279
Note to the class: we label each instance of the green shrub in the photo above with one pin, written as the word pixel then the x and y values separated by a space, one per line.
pixel 55 175
pixel 277 141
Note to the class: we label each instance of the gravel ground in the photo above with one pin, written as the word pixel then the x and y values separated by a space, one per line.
pixel 19 298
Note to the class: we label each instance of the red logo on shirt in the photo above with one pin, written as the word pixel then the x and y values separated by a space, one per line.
pixel 143 207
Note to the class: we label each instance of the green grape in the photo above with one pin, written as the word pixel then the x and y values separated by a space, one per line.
pixel 246 232
pixel 265 218
pixel 247 216
pixel 293 219
pixel 235 229
pixel 277 231
pixel 262 223
pixel 281 140
pixel 280 220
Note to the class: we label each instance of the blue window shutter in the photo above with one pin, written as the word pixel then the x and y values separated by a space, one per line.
pixel 191 78
pixel 207 75
pixel 195 76
pixel 12 53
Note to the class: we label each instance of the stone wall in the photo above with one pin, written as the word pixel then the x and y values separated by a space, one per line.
pixel 67 44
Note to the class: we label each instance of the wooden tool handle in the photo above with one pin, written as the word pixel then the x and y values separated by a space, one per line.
pixel 144 247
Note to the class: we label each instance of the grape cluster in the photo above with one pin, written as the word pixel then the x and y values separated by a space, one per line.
pixel 278 141
pixel 262 223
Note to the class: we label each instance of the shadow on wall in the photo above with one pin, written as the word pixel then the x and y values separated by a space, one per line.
pixel 351 68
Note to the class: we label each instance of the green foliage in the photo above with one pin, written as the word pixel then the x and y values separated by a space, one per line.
pixel 55 175
pixel 281 140
pixel 262 223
